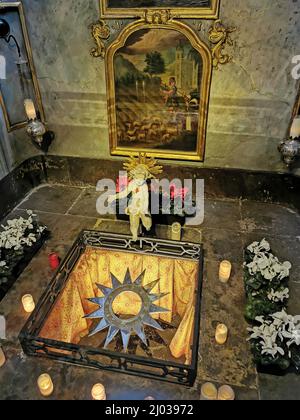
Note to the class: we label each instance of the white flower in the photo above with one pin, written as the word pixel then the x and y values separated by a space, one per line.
pixel 279 296
pixel 257 247
pixel 3 264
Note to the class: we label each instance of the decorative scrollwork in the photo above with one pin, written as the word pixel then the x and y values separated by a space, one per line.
pixel 100 32
pixel 220 36
pixel 157 17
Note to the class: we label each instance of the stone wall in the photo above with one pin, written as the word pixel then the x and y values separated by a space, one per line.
pixel 251 98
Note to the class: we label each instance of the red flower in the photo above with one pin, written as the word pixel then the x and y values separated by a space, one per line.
pixel 122 183
pixel 178 192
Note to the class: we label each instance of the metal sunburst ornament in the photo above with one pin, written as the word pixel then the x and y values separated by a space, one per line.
pixel 136 323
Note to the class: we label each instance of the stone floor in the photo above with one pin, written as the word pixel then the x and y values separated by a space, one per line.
pixel 228 227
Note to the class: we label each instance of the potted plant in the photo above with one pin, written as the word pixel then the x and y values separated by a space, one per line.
pixel 275 343
pixel 266 281
pixel 20 239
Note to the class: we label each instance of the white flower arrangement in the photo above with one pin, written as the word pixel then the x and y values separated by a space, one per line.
pixel 277 334
pixel 13 236
pixel 265 263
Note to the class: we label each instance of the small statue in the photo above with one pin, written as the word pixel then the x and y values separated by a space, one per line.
pixel 139 170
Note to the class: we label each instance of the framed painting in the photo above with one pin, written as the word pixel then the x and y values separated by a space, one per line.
pixel 158 83
pixel 204 9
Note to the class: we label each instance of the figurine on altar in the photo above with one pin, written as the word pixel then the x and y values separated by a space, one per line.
pixel 140 170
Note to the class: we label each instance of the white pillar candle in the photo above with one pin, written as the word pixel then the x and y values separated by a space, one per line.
pixel 2 357
pixel 221 334
pixel 295 129
pixel 30 109
pixel 225 271
pixel 28 303
pixel 98 392
pixel 208 392
pixel 45 385
pixel 176 231
pixel 226 393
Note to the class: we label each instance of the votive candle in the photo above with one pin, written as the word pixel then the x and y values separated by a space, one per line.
pixel 98 392
pixel 176 231
pixel 28 303
pixel 225 271
pixel 45 385
pixel 208 392
pixel 221 334
pixel 2 357
pixel 226 393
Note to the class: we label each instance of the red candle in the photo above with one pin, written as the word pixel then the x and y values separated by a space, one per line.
pixel 54 261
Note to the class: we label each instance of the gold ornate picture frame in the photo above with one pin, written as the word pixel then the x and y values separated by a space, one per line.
pixel 27 52
pixel 194 9
pixel 158 85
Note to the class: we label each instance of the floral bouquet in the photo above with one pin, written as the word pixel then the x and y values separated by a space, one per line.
pixel 276 341
pixel 266 281
pixel 15 239
pixel 181 201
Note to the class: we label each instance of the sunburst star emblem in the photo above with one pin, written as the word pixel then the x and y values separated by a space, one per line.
pixel 133 325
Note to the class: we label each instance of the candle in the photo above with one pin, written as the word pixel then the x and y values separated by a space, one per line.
pixel 221 334
pixel 2 357
pixel 54 261
pixel 98 392
pixel 176 231
pixel 30 109
pixel 209 392
pixel 226 393
pixel 28 303
pixel 295 129
pixel 45 385
pixel 225 271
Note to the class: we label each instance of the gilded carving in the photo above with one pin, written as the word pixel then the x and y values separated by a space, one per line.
pixel 157 17
pixel 100 33
pixel 219 35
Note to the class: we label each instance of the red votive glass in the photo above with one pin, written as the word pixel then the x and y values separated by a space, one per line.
pixel 54 261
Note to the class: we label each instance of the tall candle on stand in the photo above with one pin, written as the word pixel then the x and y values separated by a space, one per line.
pixel 137 89
pixel 2 357
pixel 225 271
pixel 45 385
pixel 30 109
pixel 28 303
pixel 221 334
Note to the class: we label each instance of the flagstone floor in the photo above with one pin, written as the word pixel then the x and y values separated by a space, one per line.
pixel 228 227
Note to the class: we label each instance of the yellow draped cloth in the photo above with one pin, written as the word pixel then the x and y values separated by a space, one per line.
pixel 178 278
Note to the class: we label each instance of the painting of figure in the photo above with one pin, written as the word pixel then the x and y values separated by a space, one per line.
pixel 158 76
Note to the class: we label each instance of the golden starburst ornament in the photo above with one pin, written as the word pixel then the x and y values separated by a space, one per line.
pixel 133 325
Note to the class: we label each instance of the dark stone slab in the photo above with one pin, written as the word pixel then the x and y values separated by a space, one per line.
pixel 220 244
pixel 224 303
pixel 270 218
pixel 285 388
pixel 15 186
pixel 221 214
pixel 55 199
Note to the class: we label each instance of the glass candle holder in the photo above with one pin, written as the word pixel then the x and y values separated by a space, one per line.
pixel 208 392
pixel 226 393
pixel 98 392
pixel 221 334
pixel 28 303
pixel 225 271
pixel 45 385
pixel 2 357
pixel 176 231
